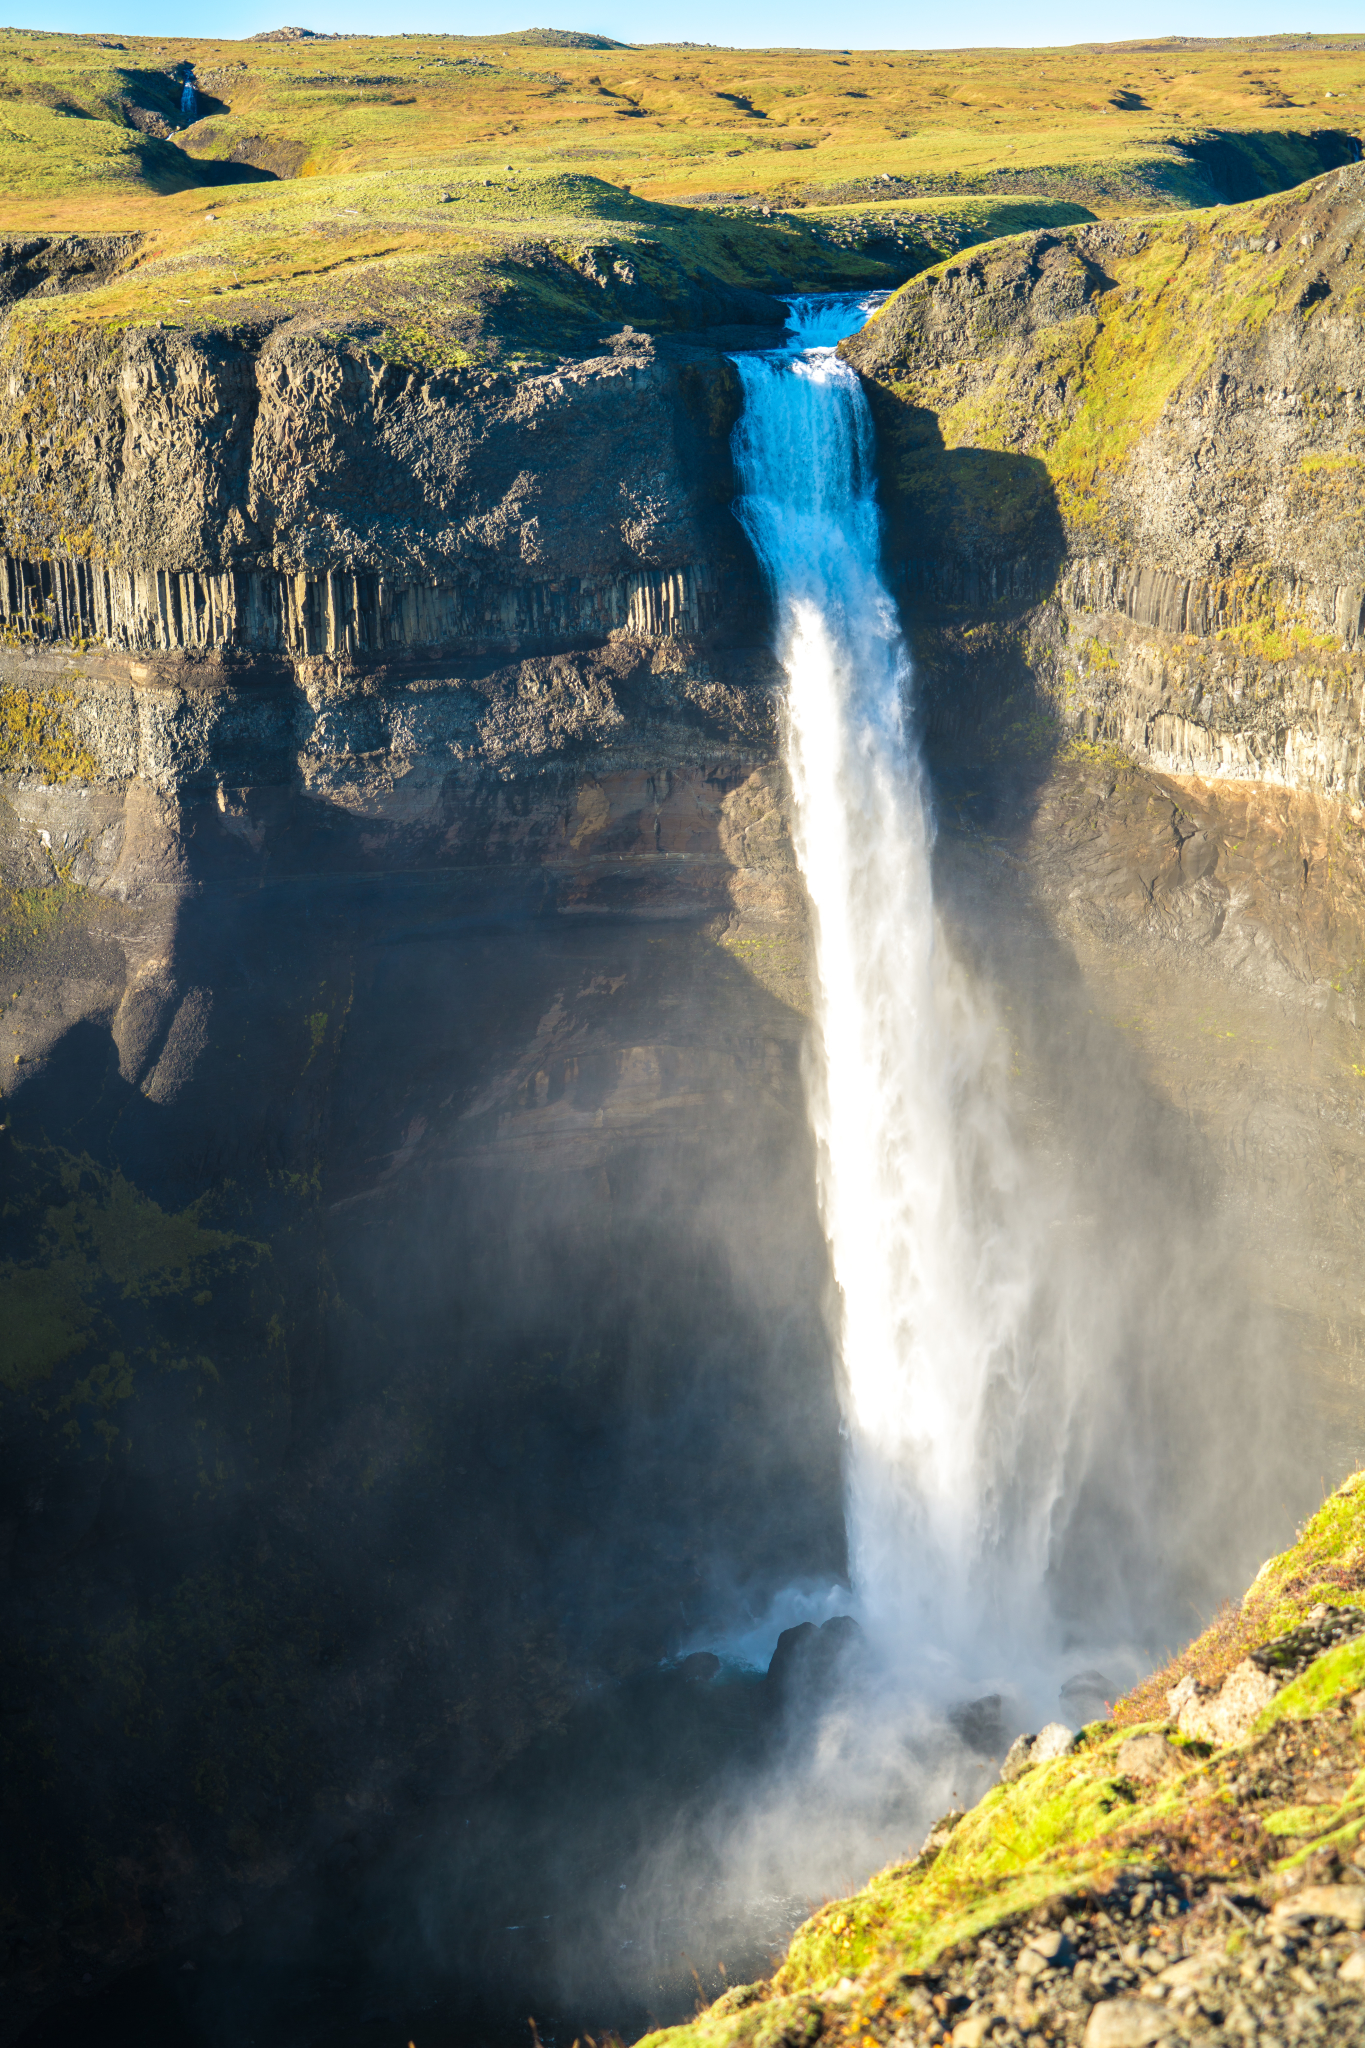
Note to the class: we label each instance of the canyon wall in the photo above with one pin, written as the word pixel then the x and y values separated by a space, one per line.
pixel 1119 468
pixel 1124 461
pixel 250 562
pixel 402 942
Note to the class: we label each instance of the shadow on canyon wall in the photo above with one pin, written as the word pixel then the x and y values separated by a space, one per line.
pixel 971 539
pixel 425 1337
pixel 428 1333
pixel 964 529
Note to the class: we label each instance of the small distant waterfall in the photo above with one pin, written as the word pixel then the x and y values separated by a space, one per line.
pixel 956 1446
pixel 189 101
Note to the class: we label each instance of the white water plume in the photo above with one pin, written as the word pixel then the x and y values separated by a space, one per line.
pixel 957 1415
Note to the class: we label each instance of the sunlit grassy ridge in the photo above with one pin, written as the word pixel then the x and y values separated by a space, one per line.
pixel 1178 291
pixel 671 121
pixel 403 180
pixel 459 269
pixel 449 271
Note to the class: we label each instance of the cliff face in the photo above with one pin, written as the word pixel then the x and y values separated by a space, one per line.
pixel 233 565
pixel 285 624
pixel 211 496
pixel 1134 452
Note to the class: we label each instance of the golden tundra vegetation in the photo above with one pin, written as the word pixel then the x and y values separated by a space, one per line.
pixel 411 189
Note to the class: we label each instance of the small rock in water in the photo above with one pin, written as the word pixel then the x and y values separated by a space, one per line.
pixel 810 1664
pixel 702 1664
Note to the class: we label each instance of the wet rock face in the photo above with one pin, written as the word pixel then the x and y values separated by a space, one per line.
pixel 811 1666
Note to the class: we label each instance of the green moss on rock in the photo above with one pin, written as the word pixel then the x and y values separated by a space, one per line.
pixel 36 737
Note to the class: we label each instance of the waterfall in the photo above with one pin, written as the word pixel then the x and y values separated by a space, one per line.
pixel 956 1414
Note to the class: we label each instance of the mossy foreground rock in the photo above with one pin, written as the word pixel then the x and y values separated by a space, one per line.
pixel 1144 1887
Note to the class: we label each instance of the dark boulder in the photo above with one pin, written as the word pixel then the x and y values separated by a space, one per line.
pixel 812 1665
pixel 702 1665
pixel 980 1723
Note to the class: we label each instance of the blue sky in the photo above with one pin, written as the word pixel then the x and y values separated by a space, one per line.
pixel 861 24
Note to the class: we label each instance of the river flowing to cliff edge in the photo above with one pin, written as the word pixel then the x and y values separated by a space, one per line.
pixel 956 1412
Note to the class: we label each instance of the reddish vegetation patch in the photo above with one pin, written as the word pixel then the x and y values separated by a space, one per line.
pixel 1211 1841
pixel 1224 1643
pixel 1237 1630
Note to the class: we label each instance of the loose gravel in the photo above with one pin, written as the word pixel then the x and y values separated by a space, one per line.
pixel 1149 1963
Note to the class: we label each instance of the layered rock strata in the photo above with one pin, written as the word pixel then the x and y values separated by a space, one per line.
pixel 235 563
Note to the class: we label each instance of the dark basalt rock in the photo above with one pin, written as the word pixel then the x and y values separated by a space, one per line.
pixel 701 1667
pixel 1325 1627
pixel 811 1665
pixel 981 1724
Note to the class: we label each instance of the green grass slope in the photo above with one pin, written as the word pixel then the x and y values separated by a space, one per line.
pixel 1121 121
pixel 1018 386
pixel 434 191
pixel 508 269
